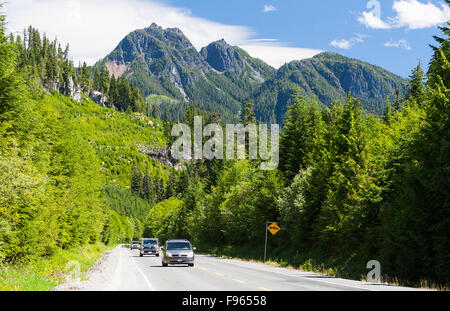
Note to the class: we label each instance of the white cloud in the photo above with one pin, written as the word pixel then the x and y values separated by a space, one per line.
pixel 415 15
pixel 402 43
pixel 347 44
pixel 411 14
pixel 371 21
pixel 95 27
pixel 269 8
pixel 342 44
pixel 279 55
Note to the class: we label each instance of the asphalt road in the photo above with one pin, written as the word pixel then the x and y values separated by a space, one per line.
pixel 134 273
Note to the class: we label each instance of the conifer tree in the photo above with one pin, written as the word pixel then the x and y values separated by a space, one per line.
pixel 387 114
pixel 11 84
pixel 248 114
pixel 302 125
pixel 416 86
pixel 136 182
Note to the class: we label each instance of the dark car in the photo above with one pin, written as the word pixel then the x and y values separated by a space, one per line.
pixel 178 252
pixel 149 247
pixel 134 245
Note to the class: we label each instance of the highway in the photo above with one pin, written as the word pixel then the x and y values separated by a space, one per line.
pixel 125 270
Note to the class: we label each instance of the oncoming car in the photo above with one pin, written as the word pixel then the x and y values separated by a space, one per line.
pixel 178 252
pixel 149 247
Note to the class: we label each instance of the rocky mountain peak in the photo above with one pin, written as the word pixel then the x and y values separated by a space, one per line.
pixel 222 56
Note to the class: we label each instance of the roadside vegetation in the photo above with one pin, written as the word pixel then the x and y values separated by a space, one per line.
pixel 46 273
pixel 64 166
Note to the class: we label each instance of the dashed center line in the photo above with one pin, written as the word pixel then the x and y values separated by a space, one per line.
pixel 239 281
pixel 219 274
pixel 266 289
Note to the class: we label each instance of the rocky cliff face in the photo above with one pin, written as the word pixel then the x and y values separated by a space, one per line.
pixel 71 90
pixel 223 57
pixel 236 63
pixel 160 60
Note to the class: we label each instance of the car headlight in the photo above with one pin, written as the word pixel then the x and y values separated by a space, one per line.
pixel 169 254
pixel 191 254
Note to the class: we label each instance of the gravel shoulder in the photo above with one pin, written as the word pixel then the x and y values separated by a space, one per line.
pixel 98 277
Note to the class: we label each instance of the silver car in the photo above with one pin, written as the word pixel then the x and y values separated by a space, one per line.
pixel 149 247
pixel 178 252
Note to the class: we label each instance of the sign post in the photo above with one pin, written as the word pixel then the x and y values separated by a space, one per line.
pixel 273 228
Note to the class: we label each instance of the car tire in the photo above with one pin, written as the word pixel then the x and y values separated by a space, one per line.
pixel 141 255
pixel 164 264
pixel 157 255
pixel 191 265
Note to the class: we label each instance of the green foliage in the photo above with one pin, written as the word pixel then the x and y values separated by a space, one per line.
pixel 417 218
pixel 65 165
pixel 160 220
pixel 44 274
pixel 416 89
pixel 46 61
pixel 301 131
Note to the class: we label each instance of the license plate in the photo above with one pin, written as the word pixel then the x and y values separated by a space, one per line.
pixel 180 260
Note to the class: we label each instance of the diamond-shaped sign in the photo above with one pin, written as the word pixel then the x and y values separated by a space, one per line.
pixel 273 228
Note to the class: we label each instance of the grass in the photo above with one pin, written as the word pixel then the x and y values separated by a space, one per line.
pixel 46 273
pixel 158 99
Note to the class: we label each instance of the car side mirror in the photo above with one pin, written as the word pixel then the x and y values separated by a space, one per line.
pixel 194 248
pixel 162 248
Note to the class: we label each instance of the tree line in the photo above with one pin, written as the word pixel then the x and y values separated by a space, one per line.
pixel 351 186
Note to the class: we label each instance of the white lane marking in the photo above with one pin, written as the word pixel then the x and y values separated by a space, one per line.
pixel 143 276
pixel 312 279
pixel 239 281
pixel 219 274
pixel 266 289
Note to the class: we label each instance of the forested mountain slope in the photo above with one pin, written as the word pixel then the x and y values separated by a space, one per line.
pixel 330 77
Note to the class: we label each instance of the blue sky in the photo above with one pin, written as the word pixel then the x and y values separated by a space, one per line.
pixel 315 24
pixel 393 34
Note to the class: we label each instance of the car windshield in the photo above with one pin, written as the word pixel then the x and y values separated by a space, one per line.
pixel 149 242
pixel 135 242
pixel 179 246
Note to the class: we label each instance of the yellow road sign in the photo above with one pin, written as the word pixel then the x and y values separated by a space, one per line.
pixel 273 228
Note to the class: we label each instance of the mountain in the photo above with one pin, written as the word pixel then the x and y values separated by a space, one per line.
pixel 168 69
pixel 234 62
pixel 164 62
pixel 330 77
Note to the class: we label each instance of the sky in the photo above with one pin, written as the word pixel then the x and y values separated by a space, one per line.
pixel 393 34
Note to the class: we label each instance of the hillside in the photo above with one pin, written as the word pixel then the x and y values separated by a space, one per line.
pixel 330 77
pixel 115 137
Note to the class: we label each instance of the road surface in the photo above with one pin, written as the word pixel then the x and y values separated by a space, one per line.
pixel 124 270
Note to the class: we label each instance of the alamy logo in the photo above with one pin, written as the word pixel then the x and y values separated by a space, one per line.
pixel 238 137
pixel 376 8
pixel 374 275
pixel 73 268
